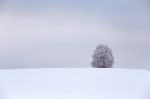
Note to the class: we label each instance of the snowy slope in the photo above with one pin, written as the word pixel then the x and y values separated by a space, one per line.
pixel 74 84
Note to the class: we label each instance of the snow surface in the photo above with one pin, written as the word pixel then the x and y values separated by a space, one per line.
pixel 74 83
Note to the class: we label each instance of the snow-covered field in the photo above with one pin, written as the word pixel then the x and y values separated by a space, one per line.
pixel 74 83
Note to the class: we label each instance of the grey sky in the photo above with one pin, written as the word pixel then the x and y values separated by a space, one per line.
pixel 64 33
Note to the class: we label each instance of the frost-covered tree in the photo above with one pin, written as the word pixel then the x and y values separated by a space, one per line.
pixel 102 57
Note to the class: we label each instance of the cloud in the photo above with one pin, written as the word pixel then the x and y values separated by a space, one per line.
pixel 66 36
pixel 50 40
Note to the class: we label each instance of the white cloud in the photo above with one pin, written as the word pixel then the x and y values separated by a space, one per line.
pixel 65 39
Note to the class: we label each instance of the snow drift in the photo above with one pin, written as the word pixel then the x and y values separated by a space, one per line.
pixel 74 83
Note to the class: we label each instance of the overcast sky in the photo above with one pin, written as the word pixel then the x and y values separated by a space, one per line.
pixel 64 33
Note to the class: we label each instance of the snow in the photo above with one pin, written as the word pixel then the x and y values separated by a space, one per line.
pixel 74 83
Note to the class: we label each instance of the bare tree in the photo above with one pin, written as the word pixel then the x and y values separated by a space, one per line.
pixel 102 57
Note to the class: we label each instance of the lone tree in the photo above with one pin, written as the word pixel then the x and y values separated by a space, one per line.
pixel 102 57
